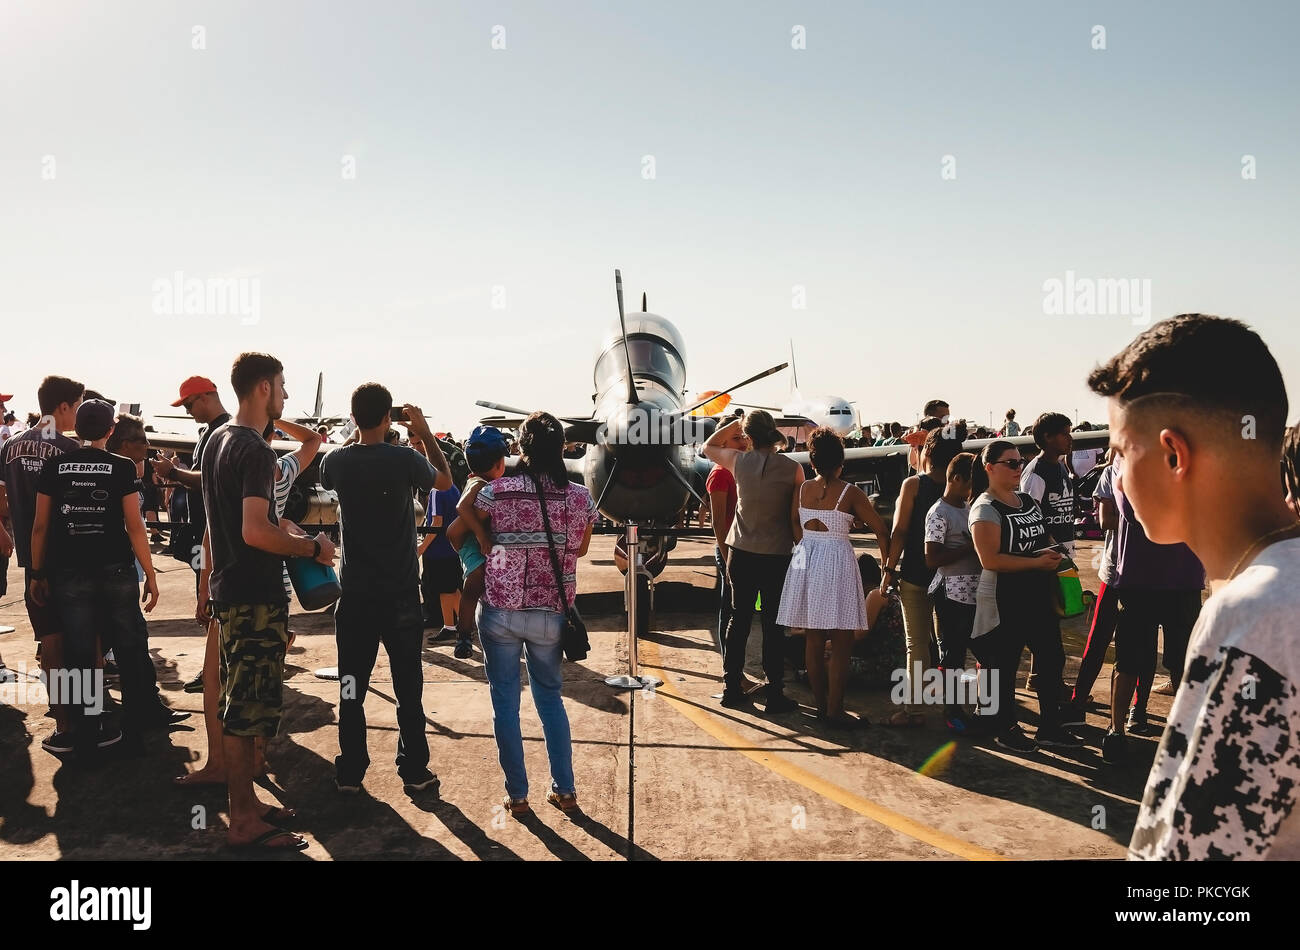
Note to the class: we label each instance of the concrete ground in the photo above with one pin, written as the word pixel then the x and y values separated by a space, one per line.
pixel 666 774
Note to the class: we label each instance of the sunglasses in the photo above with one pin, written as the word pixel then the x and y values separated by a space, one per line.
pixel 1013 464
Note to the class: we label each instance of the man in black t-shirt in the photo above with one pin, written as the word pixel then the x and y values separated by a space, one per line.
pixel 21 462
pixel 381 580
pixel 87 533
pixel 248 600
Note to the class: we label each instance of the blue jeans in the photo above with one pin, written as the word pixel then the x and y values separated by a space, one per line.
pixel 724 599
pixel 504 635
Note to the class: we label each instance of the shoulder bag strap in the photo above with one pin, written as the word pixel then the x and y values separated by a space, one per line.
pixel 550 543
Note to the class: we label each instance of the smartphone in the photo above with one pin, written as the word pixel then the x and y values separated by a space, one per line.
pixel 397 414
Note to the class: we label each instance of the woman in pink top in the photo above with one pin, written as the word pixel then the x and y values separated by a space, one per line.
pixel 522 611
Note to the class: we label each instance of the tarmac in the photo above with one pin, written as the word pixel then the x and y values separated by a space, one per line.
pixel 663 774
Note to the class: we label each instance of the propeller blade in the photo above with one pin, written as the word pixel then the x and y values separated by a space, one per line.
pixel 632 397
pixel 609 483
pixel 643 301
pixel 753 379
pixel 501 408
pixel 681 479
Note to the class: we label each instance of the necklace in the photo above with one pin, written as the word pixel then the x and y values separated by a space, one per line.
pixel 1263 541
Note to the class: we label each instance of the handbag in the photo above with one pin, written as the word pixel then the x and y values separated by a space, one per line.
pixel 573 635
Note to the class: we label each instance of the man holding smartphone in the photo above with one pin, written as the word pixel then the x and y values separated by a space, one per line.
pixel 381 579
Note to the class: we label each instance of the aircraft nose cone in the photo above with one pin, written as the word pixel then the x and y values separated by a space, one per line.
pixel 634 425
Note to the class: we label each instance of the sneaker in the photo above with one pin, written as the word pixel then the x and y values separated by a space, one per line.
pixel 346 788
pixel 195 685
pixel 108 735
pixel 1137 723
pixel 779 703
pixel 423 781
pixel 735 699
pixel 7 675
pixel 443 635
pixel 1074 714
pixel 59 742
pixel 1058 737
pixel 1015 740
pixel 1167 688
pixel 464 649
pixel 1114 748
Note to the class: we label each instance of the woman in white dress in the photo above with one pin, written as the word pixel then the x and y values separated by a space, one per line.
pixel 823 589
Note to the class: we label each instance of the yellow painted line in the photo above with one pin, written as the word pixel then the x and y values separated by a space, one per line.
pixel 841 796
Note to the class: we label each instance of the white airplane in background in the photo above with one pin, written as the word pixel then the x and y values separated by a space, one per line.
pixel 808 412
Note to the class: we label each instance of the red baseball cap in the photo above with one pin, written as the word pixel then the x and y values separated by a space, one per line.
pixel 195 386
pixel 4 398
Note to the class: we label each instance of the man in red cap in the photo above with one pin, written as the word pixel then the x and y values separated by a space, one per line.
pixel 199 398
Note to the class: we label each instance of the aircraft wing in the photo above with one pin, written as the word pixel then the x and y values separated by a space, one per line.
pixel 574 467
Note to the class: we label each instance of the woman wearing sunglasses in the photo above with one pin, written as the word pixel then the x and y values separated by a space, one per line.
pixel 1015 604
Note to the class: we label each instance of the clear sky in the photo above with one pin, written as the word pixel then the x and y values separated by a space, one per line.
pixel 515 177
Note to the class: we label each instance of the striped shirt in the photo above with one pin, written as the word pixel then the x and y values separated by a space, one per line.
pixel 286 473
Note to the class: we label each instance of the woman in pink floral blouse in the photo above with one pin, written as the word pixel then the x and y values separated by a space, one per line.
pixel 522 612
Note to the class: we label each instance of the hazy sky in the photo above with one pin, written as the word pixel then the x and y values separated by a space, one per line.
pixel 495 190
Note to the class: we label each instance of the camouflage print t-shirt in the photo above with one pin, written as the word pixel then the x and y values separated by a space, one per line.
pixel 1226 778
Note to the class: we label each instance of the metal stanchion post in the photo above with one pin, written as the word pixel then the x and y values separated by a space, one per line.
pixel 633 680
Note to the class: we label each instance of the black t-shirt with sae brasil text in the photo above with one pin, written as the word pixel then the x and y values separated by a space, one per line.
pixel 237 464
pixel 87 528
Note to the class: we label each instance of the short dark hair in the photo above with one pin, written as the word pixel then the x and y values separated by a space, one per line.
pixel 944 443
pixel 869 571
pixel 1212 365
pixel 825 451
pixel 1011 413
pixel 932 407
pixel 1048 425
pixel 54 391
pixel 1291 461
pixel 128 428
pixel 250 369
pixel 481 458
pixel 961 466
pixel 371 403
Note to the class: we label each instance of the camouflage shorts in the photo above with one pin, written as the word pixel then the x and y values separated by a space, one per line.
pixel 254 638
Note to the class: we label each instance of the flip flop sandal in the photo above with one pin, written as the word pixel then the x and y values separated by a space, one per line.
pixel 262 842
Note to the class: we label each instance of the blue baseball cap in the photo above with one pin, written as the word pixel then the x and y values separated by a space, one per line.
pixel 484 446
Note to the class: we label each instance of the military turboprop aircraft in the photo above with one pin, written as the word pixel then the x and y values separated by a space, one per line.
pixel 642 464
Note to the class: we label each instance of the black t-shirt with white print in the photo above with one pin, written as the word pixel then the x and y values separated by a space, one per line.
pixel 87 527
pixel 1048 483
pixel 21 462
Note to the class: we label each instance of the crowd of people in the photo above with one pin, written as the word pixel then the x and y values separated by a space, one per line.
pixel 971 564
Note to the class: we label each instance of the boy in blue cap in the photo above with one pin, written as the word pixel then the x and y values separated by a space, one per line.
pixel 485 450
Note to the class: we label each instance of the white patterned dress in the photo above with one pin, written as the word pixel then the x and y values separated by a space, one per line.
pixel 823 589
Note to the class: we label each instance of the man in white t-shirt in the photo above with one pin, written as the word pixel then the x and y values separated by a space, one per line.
pixel 1197 411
